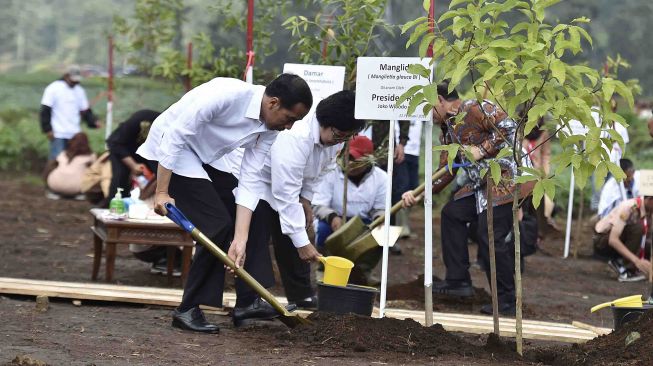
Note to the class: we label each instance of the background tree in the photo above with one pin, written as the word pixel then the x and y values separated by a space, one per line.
pixel 152 38
pixel 339 33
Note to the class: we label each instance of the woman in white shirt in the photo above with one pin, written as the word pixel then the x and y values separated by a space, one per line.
pixel 297 162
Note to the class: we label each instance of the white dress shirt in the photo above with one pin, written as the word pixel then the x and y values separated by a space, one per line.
pixel 293 169
pixel 365 200
pixel 208 122
pixel 66 103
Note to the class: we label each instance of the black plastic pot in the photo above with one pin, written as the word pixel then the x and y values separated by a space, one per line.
pixel 623 315
pixel 343 300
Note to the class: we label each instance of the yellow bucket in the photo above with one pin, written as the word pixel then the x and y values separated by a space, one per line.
pixel 336 270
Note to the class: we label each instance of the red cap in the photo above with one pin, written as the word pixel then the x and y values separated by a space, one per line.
pixel 360 146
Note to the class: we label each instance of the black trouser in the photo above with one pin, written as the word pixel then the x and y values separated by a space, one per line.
pixel 295 273
pixel 121 175
pixel 157 254
pixel 210 206
pixel 455 217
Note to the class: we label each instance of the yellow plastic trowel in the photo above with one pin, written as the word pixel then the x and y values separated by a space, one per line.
pixel 634 301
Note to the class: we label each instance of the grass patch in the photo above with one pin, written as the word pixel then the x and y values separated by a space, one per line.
pixel 23 147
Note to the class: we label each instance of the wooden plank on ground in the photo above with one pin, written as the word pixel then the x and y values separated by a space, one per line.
pixel 171 297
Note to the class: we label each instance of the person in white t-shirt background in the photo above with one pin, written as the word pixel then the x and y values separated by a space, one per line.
pixel 63 105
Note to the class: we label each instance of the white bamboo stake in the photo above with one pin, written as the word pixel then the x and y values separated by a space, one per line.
pixel 570 209
pixel 428 222
pixel 386 228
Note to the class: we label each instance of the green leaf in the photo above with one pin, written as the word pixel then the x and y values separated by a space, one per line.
pixel 495 171
pixel 625 92
pixel 448 15
pixel 502 43
pixel 525 178
pixel 419 69
pixel 424 44
pixel 491 72
pixel 586 35
pixel 549 188
pixel 601 171
pixel 558 70
pixel 615 170
pixel 426 4
pixel 456 2
pixel 408 94
pixel 581 20
pixel 417 99
pixel 506 151
pixel 431 93
pixel 538 193
pixel 607 88
pixel 408 25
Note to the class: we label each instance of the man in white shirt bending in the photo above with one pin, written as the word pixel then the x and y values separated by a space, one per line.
pixel 296 164
pixel 365 198
pixel 63 105
pixel 208 122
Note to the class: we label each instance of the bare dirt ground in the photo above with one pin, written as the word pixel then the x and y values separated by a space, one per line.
pixel 45 239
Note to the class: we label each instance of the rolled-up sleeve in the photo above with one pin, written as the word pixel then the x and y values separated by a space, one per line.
pixel 289 156
pixel 251 185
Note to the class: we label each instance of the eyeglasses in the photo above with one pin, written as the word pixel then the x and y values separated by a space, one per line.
pixel 339 136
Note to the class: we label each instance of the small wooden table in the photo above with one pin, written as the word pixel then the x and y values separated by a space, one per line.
pixel 147 232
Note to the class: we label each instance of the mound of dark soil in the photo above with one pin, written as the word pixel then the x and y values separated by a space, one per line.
pixel 363 334
pixel 630 345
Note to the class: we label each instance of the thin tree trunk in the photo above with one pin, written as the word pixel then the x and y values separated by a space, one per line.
pixel 493 261
pixel 579 223
pixel 346 172
pixel 518 285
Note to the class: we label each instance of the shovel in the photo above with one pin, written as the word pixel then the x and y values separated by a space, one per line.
pixel 634 301
pixel 354 239
pixel 286 317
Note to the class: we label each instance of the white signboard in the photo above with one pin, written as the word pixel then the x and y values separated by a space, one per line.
pixel 380 82
pixel 645 182
pixel 323 80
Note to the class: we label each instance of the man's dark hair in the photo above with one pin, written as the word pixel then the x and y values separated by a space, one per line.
pixel 626 164
pixel 337 110
pixel 443 90
pixel 290 89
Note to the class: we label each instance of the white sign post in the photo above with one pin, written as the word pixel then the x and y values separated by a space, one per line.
pixel 428 223
pixel 323 80
pixel 380 82
pixel 575 128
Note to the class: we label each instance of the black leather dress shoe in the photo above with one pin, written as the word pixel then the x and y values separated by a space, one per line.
pixel 504 309
pixel 462 289
pixel 309 303
pixel 258 310
pixel 194 320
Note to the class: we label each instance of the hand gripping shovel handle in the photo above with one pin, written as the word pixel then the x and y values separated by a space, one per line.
pixel 178 218
pixel 417 191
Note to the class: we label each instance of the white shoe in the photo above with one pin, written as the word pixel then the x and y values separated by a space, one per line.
pixel 629 276
pixel 51 195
